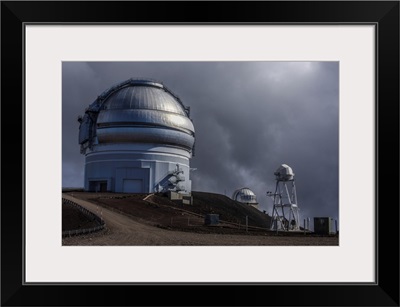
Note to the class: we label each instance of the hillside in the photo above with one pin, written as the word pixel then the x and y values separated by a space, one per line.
pixel 229 210
pixel 158 210
pixel 149 219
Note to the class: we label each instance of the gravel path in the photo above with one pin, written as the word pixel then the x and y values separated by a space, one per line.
pixel 122 230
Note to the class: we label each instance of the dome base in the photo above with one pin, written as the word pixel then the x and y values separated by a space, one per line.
pixel 137 171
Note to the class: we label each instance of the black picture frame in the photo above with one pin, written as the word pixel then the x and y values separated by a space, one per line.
pixel 383 14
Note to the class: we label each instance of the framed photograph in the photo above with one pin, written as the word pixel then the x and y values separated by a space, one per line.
pixel 251 97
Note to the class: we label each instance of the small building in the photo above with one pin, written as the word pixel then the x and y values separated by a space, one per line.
pixel 324 226
pixel 211 219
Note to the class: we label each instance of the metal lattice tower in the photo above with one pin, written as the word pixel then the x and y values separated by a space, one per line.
pixel 285 212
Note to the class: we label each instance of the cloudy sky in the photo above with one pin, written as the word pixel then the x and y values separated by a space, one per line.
pixel 249 118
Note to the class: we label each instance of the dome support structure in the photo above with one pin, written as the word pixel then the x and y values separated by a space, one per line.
pixel 285 212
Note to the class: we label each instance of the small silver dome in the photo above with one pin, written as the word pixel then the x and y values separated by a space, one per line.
pixel 244 195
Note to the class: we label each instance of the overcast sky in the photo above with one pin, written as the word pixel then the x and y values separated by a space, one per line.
pixel 249 118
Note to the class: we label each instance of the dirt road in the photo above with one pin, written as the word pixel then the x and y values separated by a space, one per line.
pixel 123 230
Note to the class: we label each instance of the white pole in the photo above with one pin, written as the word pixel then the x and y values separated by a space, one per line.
pixel 288 194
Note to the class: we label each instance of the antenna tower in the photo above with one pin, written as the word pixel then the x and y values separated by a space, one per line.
pixel 285 212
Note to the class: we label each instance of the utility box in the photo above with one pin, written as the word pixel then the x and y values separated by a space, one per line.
pixel 324 226
pixel 187 199
pixel 211 219
pixel 174 195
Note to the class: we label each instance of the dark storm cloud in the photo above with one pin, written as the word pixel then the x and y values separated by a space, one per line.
pixel 249 118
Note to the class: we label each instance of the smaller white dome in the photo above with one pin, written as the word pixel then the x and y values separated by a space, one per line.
pixel 284 173
pixel 244 195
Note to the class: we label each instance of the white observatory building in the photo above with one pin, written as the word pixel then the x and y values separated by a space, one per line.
pixel 137 137
pixel 285 212
pixel 245 196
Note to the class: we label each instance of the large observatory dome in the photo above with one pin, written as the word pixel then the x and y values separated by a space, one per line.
pixel 133 134
pixel 245 196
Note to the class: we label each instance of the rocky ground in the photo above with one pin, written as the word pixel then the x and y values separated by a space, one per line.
pixel 130 220
pixel 72 218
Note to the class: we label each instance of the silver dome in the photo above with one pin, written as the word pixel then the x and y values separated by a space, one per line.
pixel 244 195
pixel 144 96
pixel 137 111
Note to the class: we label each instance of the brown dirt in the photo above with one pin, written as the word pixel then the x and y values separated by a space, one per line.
pixel 73 219
pixel 158 221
